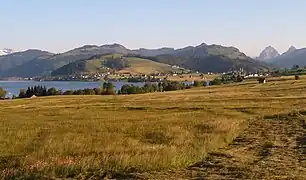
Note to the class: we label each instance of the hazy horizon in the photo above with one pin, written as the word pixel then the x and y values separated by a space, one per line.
pixel 58 26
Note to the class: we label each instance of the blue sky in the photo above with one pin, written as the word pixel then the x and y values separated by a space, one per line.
pixel 60 25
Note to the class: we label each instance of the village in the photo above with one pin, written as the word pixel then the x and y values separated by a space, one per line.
pixel 155 77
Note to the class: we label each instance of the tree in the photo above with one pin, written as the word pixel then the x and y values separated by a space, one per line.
pixel 52 92
pixel 22 94
pixel 2 93
pixel 125 89
pixel 295 67
pixel 197 84
pixel 28 92
pixel 44 91
pixel 216 82
pixel 239 78
pixel 98 91
pixel 108 89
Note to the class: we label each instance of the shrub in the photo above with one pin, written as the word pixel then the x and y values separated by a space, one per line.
pixel 108 89
pixel 216 81
pixel 197 84
pixel 22 94
pixel 239 79
pixel 69 92
pixel 2 93
pixel 261 80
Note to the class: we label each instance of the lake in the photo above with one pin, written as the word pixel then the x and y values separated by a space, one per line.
pixel 13 87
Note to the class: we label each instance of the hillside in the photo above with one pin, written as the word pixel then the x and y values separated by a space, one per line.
pixel 212 58
pixel 290 58
pixel 238 131
pixel 115 62
pixel 44 66
pixel 16 59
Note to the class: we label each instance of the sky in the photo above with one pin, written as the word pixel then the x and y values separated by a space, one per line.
pixel 61 25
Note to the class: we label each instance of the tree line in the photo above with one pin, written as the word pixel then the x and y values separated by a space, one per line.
pixel 106 89
pixel 109 89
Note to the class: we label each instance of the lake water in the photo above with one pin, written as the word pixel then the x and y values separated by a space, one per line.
pixel 13 87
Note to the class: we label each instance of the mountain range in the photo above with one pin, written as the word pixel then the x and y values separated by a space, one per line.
pixel 288 59
pixel 202 58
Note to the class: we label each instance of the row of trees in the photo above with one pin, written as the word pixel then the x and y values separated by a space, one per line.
pixel 109 89
pixel 38 91
pixel 148 88
pixel 165 86
pixel 106 89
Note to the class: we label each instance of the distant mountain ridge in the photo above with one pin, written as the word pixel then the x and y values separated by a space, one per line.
pixel 13 60
pixel 6 51
pixel 203 58
pixel 288 59
pixel 290 50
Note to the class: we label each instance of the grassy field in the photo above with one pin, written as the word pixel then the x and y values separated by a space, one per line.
pixel 145 66
pixel 158 135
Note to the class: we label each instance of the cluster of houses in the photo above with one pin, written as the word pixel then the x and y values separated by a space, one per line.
pixel 256 75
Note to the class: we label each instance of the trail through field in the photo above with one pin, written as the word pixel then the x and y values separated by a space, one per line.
pixel 270 148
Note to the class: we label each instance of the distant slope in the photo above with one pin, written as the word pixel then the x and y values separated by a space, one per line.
pixel 114 62
pixel 15 59
pixel 213 63
pixel 291 57
pixel 44 66
pixel 211 58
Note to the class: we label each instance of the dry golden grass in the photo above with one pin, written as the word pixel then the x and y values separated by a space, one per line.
pixel 86 136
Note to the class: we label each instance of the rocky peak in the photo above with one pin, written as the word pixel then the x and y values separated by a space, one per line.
pixel 290 50
pixel 268 53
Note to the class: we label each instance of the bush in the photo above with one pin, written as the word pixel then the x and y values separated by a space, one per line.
pixel 239 79
pixel 172 86
pixel 108 89
pixel 216 81
pixel 69 92
pixel 197 84
pixel 2 93
pixel 261 80
pixel 22 94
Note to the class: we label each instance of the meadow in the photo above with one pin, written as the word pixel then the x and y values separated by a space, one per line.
pixel 147 135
